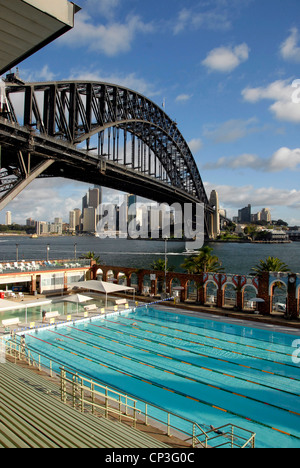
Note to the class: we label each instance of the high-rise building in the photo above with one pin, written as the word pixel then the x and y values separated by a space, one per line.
pixel 94 198
pixel 72 225
pixel 8 218
pixel 265 215
pixel 85 203
pixel 90 209
pixel 41 227
pixel 131 207
pixel 89 220
pixel 214 201
pixel 77 219
pixel 245 215
pixel 30 222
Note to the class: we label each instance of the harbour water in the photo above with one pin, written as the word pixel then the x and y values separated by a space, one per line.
pixel 236 258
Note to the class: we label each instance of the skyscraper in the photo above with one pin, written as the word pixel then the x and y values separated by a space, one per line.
pixel 94 198
pixel 90 209
pixel 265 215
pixel 8 218
pixel 245 215
pixel 72 225
pixel 89 220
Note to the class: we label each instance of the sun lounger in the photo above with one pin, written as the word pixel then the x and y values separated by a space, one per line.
pixel 91 308
pixel 51 316
pixel 121 302
pixel 10 322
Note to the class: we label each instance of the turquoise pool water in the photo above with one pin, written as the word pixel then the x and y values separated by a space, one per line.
pixel 211 372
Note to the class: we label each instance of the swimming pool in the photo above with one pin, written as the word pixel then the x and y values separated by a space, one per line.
pixel 208 371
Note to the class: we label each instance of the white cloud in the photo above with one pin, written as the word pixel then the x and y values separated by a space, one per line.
pixel 39 74
pixel 230 131
pixel 106 8
pixel 212 19
pixel 237 197
pixel 131 80
pixel 285 158
pixel 226 59
pixel 183 97
pixel 289 49
pixel 64 196
pixel 111 39
pixel 195 145
pixel 214 15
pixel 281 160
pixel 281 92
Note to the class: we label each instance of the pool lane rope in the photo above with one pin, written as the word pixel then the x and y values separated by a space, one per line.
pixel 209 337
pixel 192 365
pixel 132 375
pixel 204 345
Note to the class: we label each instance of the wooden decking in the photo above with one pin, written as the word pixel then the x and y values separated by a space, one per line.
pixel 32 416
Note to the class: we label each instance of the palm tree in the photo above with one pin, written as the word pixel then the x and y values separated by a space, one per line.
pixel 92 256
pixel 271 264
pixel 159 265
pixel 204 262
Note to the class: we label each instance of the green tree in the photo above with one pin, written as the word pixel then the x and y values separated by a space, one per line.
pixel 251 231
pixel 271 264
pixel 92 256
pixel 159 265
pixel 204 262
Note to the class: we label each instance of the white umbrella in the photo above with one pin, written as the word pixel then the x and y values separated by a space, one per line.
pixel 77 299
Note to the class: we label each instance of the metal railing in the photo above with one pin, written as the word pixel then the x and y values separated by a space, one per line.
pixel 33 265
pixel 88 393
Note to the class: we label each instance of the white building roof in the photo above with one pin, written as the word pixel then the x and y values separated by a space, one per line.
pixel 26 26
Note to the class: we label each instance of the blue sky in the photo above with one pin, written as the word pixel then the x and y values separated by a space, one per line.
pixel 225 69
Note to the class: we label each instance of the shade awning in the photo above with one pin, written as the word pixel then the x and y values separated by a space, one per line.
pixel 27 26
pixel 102 286
pixel 8 305
pixel 77 299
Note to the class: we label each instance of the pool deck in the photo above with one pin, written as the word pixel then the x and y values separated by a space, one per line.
pixel 276 321
pixel 40 300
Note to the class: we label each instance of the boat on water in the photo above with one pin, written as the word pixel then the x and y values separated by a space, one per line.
pixel 190 252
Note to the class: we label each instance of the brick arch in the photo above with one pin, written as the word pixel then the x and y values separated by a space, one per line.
pixel 277 280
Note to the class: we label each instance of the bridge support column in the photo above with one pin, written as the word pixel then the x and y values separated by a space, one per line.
pixel 8 197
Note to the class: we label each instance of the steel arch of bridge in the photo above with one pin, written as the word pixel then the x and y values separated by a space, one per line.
pixel 75 112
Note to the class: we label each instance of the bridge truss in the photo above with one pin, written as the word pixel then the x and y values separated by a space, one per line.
pixel 97 133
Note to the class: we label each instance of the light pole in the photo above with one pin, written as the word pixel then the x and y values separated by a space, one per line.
pixel 48 248
pixel 166 261
pixel 75 252
pixel 17 252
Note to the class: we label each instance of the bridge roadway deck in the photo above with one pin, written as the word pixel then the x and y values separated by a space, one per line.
pixel 77 164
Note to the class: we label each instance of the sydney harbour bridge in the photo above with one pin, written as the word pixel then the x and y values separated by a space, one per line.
pixel 97 133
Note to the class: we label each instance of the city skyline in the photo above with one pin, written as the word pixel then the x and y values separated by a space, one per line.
pixel 222 69
pixel 263 213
